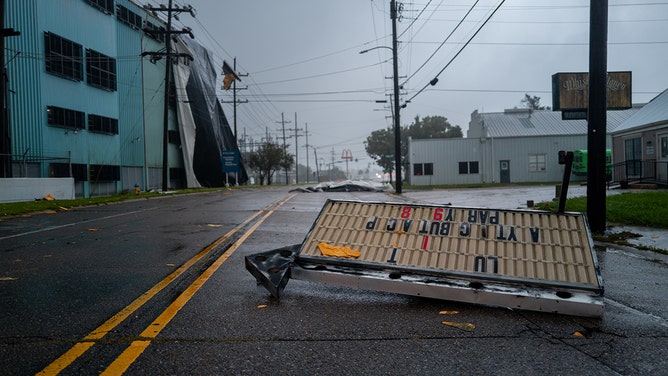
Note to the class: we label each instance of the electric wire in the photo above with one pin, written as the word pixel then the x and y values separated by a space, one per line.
pixel 442 43
pixel 457 54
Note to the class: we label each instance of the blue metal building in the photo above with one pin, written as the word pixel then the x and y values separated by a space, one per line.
pixel 82 100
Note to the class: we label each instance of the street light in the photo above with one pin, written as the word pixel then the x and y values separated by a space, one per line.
pixel 395 66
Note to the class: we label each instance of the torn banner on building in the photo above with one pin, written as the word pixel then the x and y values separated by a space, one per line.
pixel 203 127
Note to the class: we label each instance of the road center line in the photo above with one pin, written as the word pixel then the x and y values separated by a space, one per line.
pixel 136 348
pixel 87 342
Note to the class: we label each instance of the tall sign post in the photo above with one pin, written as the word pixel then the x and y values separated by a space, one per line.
pixel 597 116
pixel 589 95
pixel 230 163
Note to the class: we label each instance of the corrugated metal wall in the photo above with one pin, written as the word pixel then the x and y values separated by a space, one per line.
pixel 23 58
pixel 33 89
pixel 446 154
pixel 137 103
pixel 131 108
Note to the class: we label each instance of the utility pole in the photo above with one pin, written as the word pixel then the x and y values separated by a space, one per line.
pixel 234 98
pixel 296 136
pixel 397 122
pixel 285 149
pixel 168 61
pixel 267 137
pixel 5 134
pixel 307 146
pixel 317 169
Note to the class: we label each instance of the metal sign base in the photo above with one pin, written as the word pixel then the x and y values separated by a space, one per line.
pixel 273 269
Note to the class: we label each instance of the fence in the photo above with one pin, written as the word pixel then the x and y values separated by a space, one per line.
pixel 32 166
pixel 640 171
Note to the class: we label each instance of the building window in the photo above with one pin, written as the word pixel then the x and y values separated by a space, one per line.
pixel 664 147
pixel 429 169
pixel 174 137
pixel 62 170
pixel 66 118
pixel 128 17
pixel 106 6
pixel 470 167
pixel 155 32
pixel 463 167
pixel 537 162
pixel 100 70
pixel 420 169
pixel 101 124
pixel 105 173
pixel 177 173
pixel 63 57
pixel 473 167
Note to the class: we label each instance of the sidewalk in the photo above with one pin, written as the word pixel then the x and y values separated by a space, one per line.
pixel 650 237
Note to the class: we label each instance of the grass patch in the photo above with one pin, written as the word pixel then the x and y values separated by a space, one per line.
pixel 649 209
pixel 18 208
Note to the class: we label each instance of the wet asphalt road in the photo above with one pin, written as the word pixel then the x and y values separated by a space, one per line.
pixel 64 275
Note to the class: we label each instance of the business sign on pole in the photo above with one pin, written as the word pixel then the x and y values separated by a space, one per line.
pixel 230 159
pixel 570 91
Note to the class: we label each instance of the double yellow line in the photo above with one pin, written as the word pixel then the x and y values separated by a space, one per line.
pixel 121 364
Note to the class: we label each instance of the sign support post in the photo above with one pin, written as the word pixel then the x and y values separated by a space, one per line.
pixel 597 116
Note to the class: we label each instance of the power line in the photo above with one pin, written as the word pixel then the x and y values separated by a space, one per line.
pixel 442 43
pixel 546 43
pixel 414 19
pixel 435 79
pixel 323 74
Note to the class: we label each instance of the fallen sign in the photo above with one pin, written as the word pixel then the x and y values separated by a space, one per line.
pixel 525 259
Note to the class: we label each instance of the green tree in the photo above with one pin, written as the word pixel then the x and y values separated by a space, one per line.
pixel 268 159
pixel 380 144
pixel 532 102
pixel 380 147
pixel 433 127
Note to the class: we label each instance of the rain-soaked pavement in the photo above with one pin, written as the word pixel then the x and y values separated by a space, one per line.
pixel 67 275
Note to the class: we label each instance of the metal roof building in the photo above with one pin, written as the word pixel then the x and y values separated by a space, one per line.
pixel 640 144
pixel 517 145
pixel 85 100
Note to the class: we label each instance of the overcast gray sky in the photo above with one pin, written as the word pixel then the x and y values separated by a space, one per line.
pixel 302 56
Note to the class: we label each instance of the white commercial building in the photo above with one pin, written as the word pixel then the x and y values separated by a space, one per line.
pixel 514 146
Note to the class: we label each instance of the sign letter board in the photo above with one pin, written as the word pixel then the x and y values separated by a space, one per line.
pixel 471 249
pixel 524 259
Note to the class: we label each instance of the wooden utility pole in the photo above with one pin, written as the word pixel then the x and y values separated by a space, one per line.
pixel 296 136
pixel 234 98
pixel 285 148
pixel 168 64
pixel 307 146
pixel 397 122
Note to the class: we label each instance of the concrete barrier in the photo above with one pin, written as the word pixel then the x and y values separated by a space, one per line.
pixel 29 189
